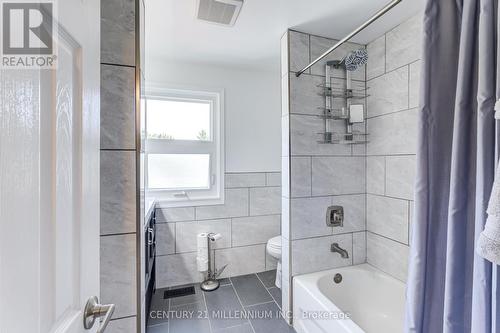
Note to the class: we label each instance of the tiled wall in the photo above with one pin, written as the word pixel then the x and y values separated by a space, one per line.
pixel 316 175
pixel 250 216
pixel 393 81
pixel 118 163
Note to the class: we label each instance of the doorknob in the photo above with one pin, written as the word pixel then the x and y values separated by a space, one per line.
pixel 94 310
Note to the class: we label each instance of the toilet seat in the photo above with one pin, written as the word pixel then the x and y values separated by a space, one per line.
pixel 275 243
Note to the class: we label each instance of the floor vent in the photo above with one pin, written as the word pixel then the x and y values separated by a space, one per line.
pixel 178 292
pixel 223 12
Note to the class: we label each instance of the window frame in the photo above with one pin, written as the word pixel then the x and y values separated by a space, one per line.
pixel 215 147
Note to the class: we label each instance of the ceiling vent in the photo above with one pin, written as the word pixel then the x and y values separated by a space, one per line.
pixel 223 12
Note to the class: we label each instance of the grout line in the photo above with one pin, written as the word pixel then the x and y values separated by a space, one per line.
pixel 391 113
pixel 206 308
pixel 117 65
pixel 388 238
pixel 272 301
pixel 118 234
pixel 257 275
pixel 241 303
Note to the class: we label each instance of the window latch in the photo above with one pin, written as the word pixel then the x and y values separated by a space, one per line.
pixel 182 194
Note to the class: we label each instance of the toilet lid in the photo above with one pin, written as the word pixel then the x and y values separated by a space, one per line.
pixel 275 242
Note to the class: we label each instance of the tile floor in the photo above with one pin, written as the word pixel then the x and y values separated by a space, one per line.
pixel 223 310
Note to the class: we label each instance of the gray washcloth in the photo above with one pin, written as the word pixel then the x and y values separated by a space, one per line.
pixel 488 243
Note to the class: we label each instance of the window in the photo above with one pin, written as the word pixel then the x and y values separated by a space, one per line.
pixel 184 146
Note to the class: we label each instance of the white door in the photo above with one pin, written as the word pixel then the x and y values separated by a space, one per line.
pixel 49 181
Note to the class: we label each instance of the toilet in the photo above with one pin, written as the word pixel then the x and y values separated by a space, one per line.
pixel 273 248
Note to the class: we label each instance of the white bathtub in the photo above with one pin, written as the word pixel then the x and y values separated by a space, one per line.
pixel 372 300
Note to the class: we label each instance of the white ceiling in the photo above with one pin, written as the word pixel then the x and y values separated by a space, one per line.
pixel 174 34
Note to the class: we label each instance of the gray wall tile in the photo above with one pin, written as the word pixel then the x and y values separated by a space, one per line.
pixel 174 214
pixel 235 205
pixel 298 50
pixel 117 107
pixel 233 180
pixel 387 255
pixel 354 212
pixel 242 260
pixel 338 175
pixel 388 93
pixel 376 58
pixel 273 179
pixel 118 32
pixel 359 248
pixel 118 273
pixel 123 325
pixel 301 177
pixel 400 178
pixel 187 232
pixel 414 84
pixel 165 238
pixel 176 269
pixel 118 192
pixel 255 229
pixel 305 94
pixel 308 217
pixel 387 217
pixel 265 200
pixel 394 133
pixel 404 43
pixel 375 174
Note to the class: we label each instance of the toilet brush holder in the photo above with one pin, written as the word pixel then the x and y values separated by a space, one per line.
pixel 211 283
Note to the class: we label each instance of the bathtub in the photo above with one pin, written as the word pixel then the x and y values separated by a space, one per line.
pixel 366 300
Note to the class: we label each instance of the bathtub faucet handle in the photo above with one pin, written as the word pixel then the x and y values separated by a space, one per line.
pixel 336 248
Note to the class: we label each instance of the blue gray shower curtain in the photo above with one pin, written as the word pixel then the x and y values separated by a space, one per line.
pixel 450 288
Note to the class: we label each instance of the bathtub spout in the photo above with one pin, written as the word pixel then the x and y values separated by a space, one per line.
pixel 336 248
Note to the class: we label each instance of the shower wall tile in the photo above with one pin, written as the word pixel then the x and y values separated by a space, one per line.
pixel 354 212
pixel 359 248
pixel 165 238
pixel 376 58
pixel 236 204
pixel 313 254
pixel 414 84
pixel 118 32
pixel 117 107
pixel 118 273
pixel 400 181
pixel 242 260
pixel 273 179
pixel 308 217
pixel 388 93
pixel 387 255
pixel 117 199
pixel 387 217
pixel 186 234
pixel 301 175
pixel 122 325
pixel 320 44
pixel 177 269
pixel 298 50
pixel 255 229
pixel 265 200
pixel 391 134
pixel 234 180
pixel 305 94
pixel 375 174
pixel 304 137
pixel 404 44
pixel 174 214
pixel 338 175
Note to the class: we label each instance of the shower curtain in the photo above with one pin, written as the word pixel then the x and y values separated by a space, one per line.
pixel 450 288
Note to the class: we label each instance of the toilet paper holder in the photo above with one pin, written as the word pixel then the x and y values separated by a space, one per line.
pixel 211 283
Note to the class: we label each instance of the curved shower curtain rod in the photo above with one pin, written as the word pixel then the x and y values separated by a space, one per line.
pixel 381 12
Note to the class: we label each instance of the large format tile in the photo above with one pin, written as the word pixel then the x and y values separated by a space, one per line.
pixel 118 192
pixel 250 290
pixel 123 325
pixel 165 238
pixel 174 214
pixel 223 300
pixel 304 137
pixel 274 323
pixel 255 229
pixel 118 32
pixel 187 319
pixel 338 175
pixel 388 93
pixel 276 294
pixel 375 175
pixel 187 232
pixel 393 134
pixel 313 254
pixel 320 44
pixel 241 260
pixel 306 94
pixel 300 181
pixel 400 176
pixel 118 273
pixel 308 217
pixel 376 58
pixel 387 217
pixel 387 255
pixel 273 179
pixel 233 180
pixel 404 43
pixel 358 248
pixel 268 278
pixel 298 50
pixel 245 328
pixel 265 200
pixel 117 107
pixel 415 84
pixel 235 205
pixel 354 212
pixel 176 269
